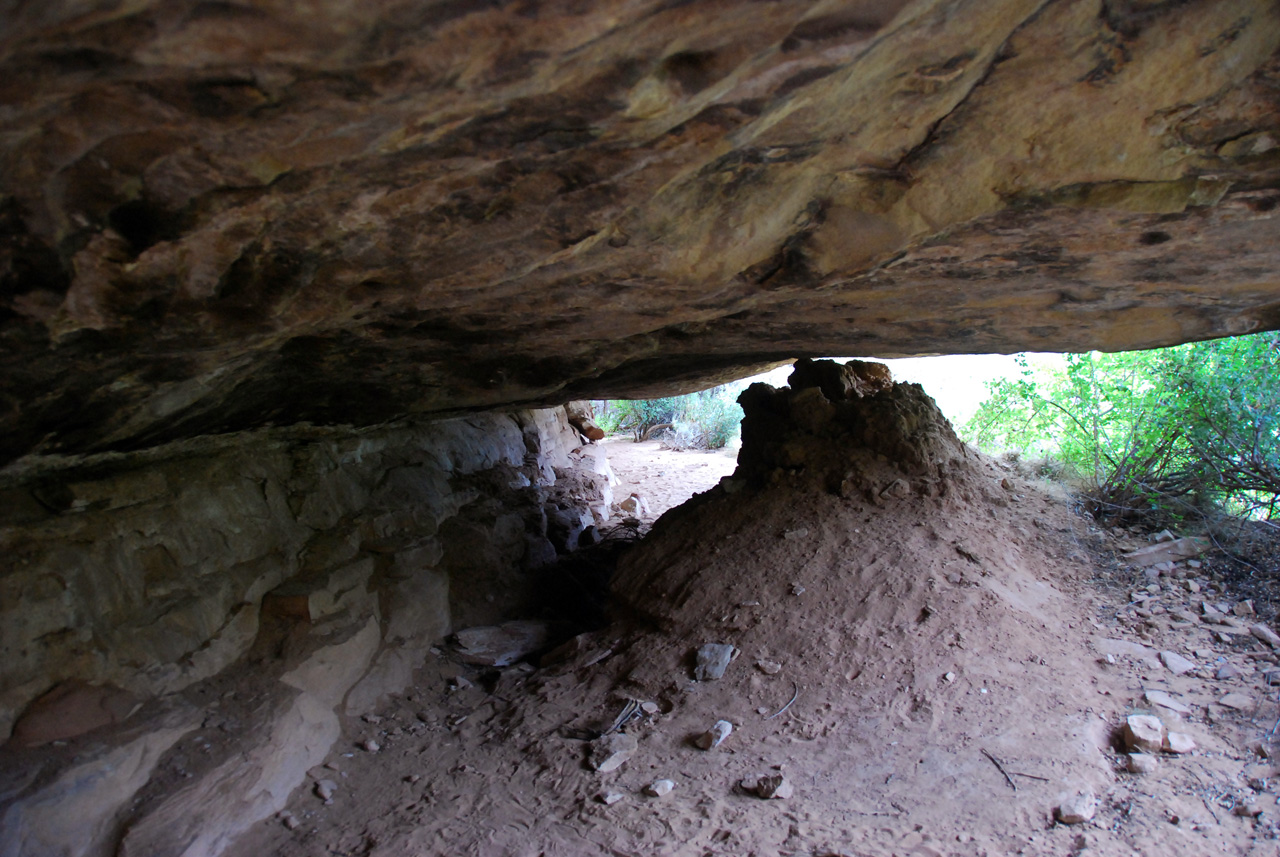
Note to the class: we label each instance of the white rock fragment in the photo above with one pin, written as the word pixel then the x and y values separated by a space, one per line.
pixel 1176 663
pixel 712 660
pixel 1143 733
pixel 1143 763
pixel 612 751
pixel 649 708
pixel 1178 743
pixel 1078 807
pixel 609 798
pixel 371 746
pixel 325 790
pixel 659 788
pixel 769 667
pixel 289 820
pixel 714 736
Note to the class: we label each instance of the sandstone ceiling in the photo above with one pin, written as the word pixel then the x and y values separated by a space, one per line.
pixel 217 216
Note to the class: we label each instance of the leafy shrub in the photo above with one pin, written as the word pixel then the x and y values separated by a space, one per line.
pixel 706 420
pixel 1155 436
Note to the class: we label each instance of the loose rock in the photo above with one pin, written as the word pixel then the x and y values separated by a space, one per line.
pixel 612 751
pixel 1266 635
pixel 1228 671
pixel 714 736
pixel 609 798
pixel 772 787
pixel 325 790
pixel 1143 733
pixel 658 788
pixel 1238 701
pixel 289 820
pixel 712 660
pixel 1176 663
pixel 371 746
pixel 1164 700
pixel 1143 763
pixel 1077 808
pixel 1178 743
pixel 769 667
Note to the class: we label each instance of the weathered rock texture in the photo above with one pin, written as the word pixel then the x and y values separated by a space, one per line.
pixel 152 573
pixel 219 216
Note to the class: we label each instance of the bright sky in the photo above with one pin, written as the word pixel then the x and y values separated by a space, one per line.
pixel 956 382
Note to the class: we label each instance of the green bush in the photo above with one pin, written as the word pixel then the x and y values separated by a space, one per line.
pixel 1155 436
pixel 706 420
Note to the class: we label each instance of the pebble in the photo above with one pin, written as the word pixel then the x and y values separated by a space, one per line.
pixel 289 820
pixel 1193 587
pixel 770 787
pixel 659 788
pixel 1176 663
pixel 609 798
pixel 325 790
pixel 371 745
pixel 1244 608
pixel 1077 808
pixel 712 660
pixel 797 589
pixel 769 667
pixel 714 736
pixel 1143 733
pixel 1143 763
pixel 1228 671
pixel 649 708
pixel 611 752
pixel 1178 743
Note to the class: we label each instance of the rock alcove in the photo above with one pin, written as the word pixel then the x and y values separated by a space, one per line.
pixel 291 298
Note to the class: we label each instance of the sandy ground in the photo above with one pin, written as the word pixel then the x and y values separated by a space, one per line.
pixel 664 478
pixel 958 670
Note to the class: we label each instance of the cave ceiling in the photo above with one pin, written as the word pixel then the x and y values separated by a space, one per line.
pixel 218 216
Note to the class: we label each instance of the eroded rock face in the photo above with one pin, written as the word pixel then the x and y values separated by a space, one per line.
pixel 217 216
pixel 155 572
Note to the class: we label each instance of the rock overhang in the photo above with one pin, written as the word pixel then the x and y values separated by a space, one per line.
pixel 219 217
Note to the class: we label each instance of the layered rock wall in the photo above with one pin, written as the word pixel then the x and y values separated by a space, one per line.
pixel 151 573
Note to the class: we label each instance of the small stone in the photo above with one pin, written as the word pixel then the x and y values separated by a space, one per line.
pixel 797 589
pixel 371 718
pixel 1164 700
pixel 714 736
pixel 712 660
pixel 1176 663
pixel 1077 808
pixel 1266 635
pixel 609 798
pixel 773 787
pixel 1178 743
pixel 769 667
pixel 1194 563
pixel 325 790
pixel 1143 763
pixel 371 746
pixel 289 820
pixel 950 677
pixel 1248 810
pixel 459 683
pixel 650 708
pixel 1228 671
pixel 1143 733
pixel 413 778
pixel 1238 701
pixel 1244 608
pixel 658 788
pixel 611 752
pixel 1193 587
